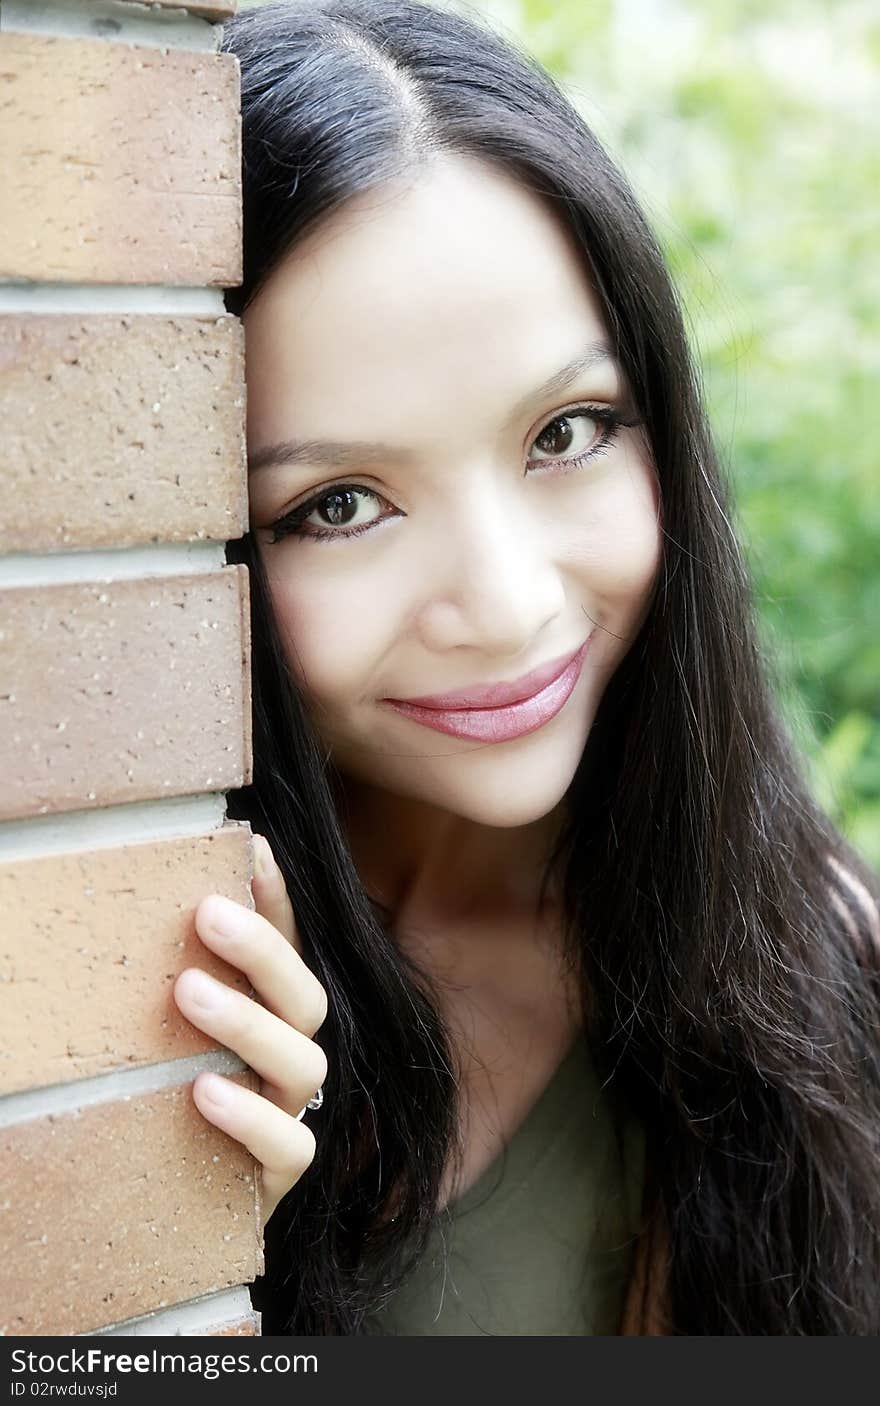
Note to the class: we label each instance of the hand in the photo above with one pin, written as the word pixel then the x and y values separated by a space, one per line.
pixel 273 1038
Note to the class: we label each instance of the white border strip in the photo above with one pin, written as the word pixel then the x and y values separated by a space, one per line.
pixel 22 295
pixel 111 826
pixel 189 1319
pixel 108 20
pixel 111 564
pixel 118 1084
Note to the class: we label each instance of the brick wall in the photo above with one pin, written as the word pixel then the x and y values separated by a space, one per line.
pixel 124 664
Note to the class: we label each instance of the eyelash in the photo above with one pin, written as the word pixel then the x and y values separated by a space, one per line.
pixel 290 524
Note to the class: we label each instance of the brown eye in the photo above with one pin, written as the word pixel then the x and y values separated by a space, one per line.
pixel 556 437
pixel 578 436
pixel 338 508
pixel 570 436
pixel 343 511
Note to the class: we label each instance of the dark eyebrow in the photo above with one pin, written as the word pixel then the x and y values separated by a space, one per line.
pixel 591 356
pixel 350 453
pixel 355 454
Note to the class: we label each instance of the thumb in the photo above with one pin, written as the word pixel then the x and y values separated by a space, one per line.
pixel 271 898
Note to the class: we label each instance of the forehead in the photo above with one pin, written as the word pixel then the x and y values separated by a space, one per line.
pixel 462 278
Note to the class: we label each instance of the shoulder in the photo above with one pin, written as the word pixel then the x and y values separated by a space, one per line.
pixel 856 907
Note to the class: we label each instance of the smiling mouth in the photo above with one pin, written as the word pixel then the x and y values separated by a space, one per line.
pixel 496 695
pixel 499 712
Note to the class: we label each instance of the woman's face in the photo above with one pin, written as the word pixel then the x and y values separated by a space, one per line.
pixel 460 512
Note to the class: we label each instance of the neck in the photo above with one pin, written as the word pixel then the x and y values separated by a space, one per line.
pixel 426 865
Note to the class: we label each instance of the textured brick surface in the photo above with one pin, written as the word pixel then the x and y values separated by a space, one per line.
pixel 120 430
pixel 120 1209
pixel 119 163
pixel 123 691
pixel 91 944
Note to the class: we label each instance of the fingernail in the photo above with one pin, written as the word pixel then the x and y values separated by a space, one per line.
pixel 263 861
pixel 205 992
pixel 215 1091
pixel 225 918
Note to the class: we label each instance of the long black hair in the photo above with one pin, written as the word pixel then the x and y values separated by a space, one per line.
pixel 729 968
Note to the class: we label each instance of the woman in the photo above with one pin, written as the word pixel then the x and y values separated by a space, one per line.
pixel 543 836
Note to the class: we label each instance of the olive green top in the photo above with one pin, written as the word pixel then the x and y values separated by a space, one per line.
pixel 542 1243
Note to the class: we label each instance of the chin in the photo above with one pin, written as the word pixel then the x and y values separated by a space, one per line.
pixel 488 785
pixel 511 813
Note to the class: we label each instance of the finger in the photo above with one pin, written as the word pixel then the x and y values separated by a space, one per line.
pixel 283 1147
pixel 270 892
pixel 277 972
pixel 278 1052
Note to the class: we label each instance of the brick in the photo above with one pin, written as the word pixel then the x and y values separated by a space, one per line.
pixel 119 163
pixel 91 944
pixel 211 9
pixel 121 430
pixel 119 1209
pixel 124 690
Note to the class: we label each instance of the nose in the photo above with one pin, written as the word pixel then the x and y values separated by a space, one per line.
pixel 495 584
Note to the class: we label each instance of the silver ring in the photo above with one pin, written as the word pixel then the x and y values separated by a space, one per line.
pixel 314 1103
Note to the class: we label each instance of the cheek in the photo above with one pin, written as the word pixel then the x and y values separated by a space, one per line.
pixel 332 645
pixel 622 541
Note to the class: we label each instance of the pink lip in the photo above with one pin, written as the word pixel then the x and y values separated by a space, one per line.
pixel 495 695
pixel 499 712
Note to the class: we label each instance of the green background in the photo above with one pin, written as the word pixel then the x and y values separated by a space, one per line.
pixel 751 133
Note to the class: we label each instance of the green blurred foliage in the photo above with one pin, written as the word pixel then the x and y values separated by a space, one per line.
pixel 750 130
